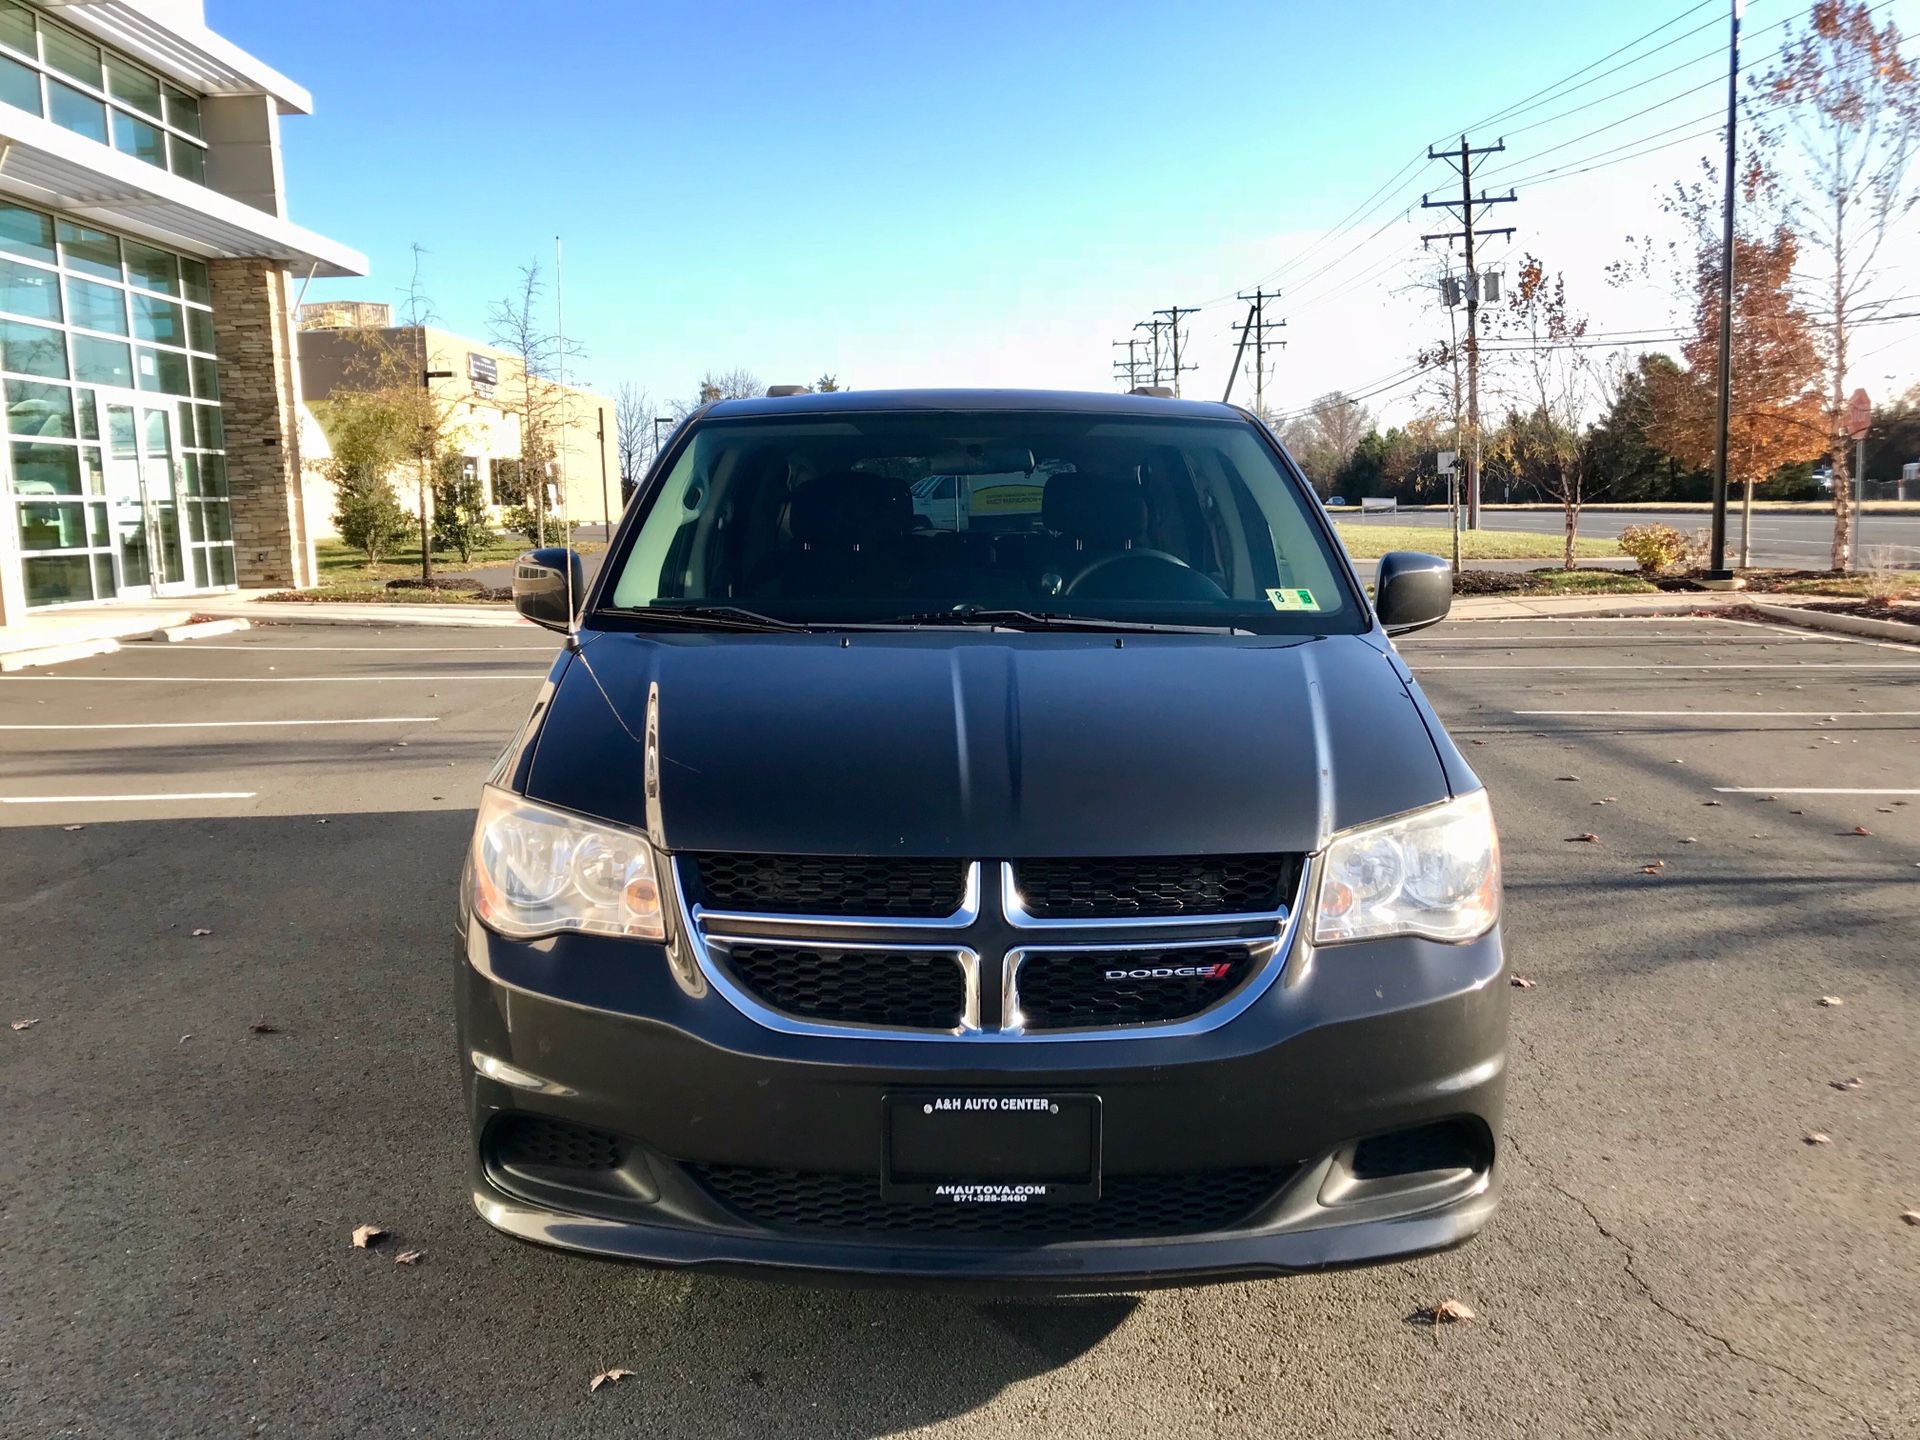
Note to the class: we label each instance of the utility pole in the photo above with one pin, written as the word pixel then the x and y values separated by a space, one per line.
pixel 1717 560
pixel 1173 314
pixel 1468 209
pixel 1256 328
pixel 1131 364
pixel 1154 327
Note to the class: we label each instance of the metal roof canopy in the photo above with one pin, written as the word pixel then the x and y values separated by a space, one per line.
pixel 45 165
pixel 187 53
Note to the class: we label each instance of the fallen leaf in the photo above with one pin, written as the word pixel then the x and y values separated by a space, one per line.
pixel 365 1236
pixel 1574 778
pixel 1852 1082
pixel 1478 742
pixel 1587 839
pixel 608 1377
pixel 1688 840
pixel 22 1024
pixel 184 1038
pixel 1651 869
pixel 73 827
pixel 202 931
pixel 1861 830
pixel 1818 1137
pixel 261 1027
pixel 1676 762
pixel 1763 799
pixel 1520 982
pixel 408 1257
pixel 1912 1217
pixel 1829 1001
pixel 1447 1312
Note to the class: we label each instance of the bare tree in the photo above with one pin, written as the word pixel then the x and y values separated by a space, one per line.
pixel 735 384
pixel 1543 440
pixel 633 431
pixel 1341 422
pixel 533 395
pixel 1851 100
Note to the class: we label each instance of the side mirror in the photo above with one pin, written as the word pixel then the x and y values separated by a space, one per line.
pixel 547 585
pixel 1410 591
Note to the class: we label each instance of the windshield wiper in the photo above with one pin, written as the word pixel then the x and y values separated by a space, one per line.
pixel 714 617
pixel 1051 620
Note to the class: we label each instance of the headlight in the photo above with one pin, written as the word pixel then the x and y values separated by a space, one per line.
pixel 1434 873
pixel 538 871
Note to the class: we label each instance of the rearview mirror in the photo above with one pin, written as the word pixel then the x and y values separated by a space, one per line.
pixel 1412 591
pixel 548 585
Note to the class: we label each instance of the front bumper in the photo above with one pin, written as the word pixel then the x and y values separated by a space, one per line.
pixel 1352 1042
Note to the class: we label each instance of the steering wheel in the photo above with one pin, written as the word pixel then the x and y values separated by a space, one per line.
pixel 1120 557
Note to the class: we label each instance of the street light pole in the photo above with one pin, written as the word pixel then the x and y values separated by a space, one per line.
pixel 1717 561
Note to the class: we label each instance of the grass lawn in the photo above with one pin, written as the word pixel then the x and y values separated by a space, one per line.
pixel 339 562
pixel 1368 540
pixel 377 592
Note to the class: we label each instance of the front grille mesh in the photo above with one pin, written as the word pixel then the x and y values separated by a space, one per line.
pixel 521 1140
pixel 1446 1145
pixel 1135 1206
pixel 909 989
pixel 828 884
pixel 1154 887
pixel 1066 989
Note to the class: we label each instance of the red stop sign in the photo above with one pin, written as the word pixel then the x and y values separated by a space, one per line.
pixel 1859 415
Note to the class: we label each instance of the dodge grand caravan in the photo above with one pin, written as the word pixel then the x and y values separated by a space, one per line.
pixel 1066 884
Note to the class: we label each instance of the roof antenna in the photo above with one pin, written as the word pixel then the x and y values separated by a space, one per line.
pixel 566 530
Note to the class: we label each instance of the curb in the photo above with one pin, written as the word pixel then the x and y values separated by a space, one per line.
pixel 1843 624
pixel 294 613
pixel 56 654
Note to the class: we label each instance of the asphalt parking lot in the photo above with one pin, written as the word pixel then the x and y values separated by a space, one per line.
pixel 1673 1258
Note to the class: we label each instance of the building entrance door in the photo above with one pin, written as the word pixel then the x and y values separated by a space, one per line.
pixel 141 472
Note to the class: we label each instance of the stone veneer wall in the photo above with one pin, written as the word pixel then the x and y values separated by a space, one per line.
pixel 259 403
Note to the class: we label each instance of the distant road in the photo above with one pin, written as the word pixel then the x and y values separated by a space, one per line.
pixel 1782 541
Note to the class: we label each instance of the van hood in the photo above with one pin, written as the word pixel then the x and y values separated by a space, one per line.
pixel 986 745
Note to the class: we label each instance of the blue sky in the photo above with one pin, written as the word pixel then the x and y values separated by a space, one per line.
pixel 983 193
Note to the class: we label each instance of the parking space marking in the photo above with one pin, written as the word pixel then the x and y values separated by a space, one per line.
pixel 1740 714
pixel 1803 790
pixel 521 676
pixel 1808 665
pixel 231 724
pixel 367 649
pixel 125 799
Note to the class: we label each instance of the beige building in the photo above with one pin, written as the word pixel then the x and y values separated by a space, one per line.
pixel 148 270
pixel 482 386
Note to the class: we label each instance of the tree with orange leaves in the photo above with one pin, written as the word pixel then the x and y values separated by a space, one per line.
pixel 1778 416
pixel 1848 95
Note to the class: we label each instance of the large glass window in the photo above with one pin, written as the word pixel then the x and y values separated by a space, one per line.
pixel 77 111
pixel 69 311
pixel 29 290
pixel 19 85
pixel 884 517
pixel 97 93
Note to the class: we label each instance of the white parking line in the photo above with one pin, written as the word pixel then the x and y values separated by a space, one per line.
pixel 368 649
pixel 1673 668
pixel 105 799
pixel 231 724
pixel 1803 790
pixel 522 676
pixel 1743 714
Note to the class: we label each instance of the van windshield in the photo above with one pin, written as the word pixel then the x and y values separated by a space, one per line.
pixel 897 516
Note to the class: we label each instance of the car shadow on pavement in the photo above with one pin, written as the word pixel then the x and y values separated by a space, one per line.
pixel 244 1050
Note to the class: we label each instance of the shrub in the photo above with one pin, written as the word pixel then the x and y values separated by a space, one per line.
pixel 369 515
pixel 460 521
pixel 1658 548
pixel 520 520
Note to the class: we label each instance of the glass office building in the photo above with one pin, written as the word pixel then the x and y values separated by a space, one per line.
pixel 147 271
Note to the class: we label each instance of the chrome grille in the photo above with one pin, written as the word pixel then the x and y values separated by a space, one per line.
pixel 982 971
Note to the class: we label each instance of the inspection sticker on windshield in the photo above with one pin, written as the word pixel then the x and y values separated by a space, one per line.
pixel 1293 600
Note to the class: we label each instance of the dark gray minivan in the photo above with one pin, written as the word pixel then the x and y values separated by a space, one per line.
pixel 982 835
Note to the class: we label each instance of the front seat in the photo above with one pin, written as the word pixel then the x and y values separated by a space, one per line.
pixel 848 531
pixel 1102 520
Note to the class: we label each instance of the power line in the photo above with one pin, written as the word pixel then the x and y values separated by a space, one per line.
pixel 1173 314
pixel 1255 328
